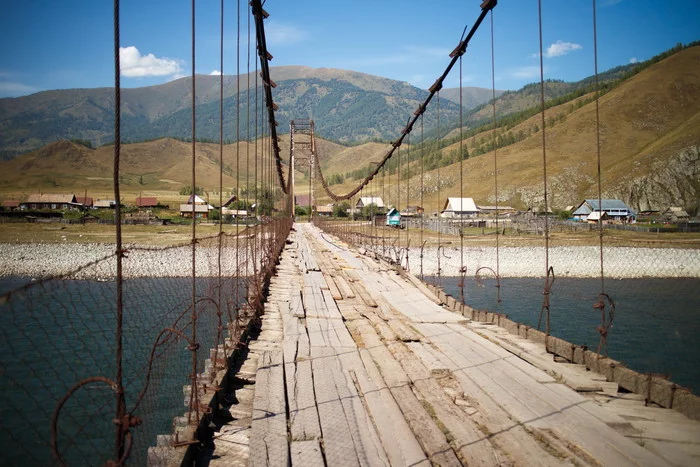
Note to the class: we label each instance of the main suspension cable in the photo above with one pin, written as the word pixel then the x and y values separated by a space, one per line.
pixel 461 48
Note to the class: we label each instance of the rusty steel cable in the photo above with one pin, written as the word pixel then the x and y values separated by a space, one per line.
pixel 194 402
pixel 120 399
pixel 549 270
pixel 458 51
pixel 495 155
pixel 260 14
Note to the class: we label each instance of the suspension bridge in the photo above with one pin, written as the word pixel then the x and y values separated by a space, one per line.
pixel 332 342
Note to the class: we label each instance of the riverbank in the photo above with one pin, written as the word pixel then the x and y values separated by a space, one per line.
pixel 51 259
pixel 97 261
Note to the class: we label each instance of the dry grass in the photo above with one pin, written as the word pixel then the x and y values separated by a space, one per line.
pixel 97 233
pixel 473 238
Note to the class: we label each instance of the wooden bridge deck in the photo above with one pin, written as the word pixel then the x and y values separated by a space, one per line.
pixel 356 365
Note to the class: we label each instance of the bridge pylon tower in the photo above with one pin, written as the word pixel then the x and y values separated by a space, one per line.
pixel 302 149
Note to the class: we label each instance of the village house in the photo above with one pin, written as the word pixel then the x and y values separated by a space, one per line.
pixel 146 202
pixel 615 209
pixel 393 218
pixel 459 207
pixel 196 206
pixel 324 211
pixel 53 202
pixel 367 200
pixel 10 205
pixel 105 204
pixel 86 201
pixel 412 211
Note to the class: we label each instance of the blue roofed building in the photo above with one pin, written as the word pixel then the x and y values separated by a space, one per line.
pixel 614 209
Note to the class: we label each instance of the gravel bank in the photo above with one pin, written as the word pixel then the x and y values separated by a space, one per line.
pixel 97 261
pixel 42 260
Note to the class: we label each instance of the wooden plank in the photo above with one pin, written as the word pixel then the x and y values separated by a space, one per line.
pixel 303 416
pixel 472 446
pixel 426 431
pixel 366 441
pixel 307 453
pixel 334 425
pixel 343 286
pixel 400 445
pixel 332 287
pixel 268 441
pixel 536 405
pixel 418 308
pixel 331 307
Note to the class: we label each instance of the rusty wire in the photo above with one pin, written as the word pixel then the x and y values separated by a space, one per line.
pixel 458 51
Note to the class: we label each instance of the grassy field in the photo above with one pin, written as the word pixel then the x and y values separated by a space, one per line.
pixel 98 233
pixel 22 232
pixel 474 237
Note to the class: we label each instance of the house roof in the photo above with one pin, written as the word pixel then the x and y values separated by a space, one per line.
pixel 596 215
pixel 460 205
pixel 230 200
pixel 195 199
pixel 142 201
pixel 234 212
pixel 84 200
pixel 393 212
pixel 197 208
pixel 51 198
pixel 104 203
pixel 10 203
pixel 367 200
pixel 324 209
pixel 590 205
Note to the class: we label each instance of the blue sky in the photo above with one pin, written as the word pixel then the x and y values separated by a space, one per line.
pixel 68 44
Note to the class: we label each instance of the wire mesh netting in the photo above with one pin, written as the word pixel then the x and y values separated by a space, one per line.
pixel 59 341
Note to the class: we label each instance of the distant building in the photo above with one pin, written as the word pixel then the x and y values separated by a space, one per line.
pixel 459 207
pixel 393 218
pixel 86 201
pixel 146 202
pixel 412 211
pixel 367 200
pixel 615 209
pixel 51 202
pixel 196 207
pixel 105 204
pixel 324 211
pixel 10 205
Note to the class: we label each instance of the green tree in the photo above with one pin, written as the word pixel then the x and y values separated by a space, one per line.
pixel 266 203
pixel 187 190
pixel 341 209
pixel 370 210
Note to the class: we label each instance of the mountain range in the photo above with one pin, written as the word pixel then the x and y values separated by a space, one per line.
pixel 352 108
pixel 648 121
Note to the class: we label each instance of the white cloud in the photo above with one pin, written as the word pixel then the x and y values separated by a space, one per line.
pixel 560 48
pixel 215 73
pixel 634 60
pixel 133 64
pixel 277 33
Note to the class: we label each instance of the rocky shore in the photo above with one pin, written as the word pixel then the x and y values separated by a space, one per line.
pixel 97 261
